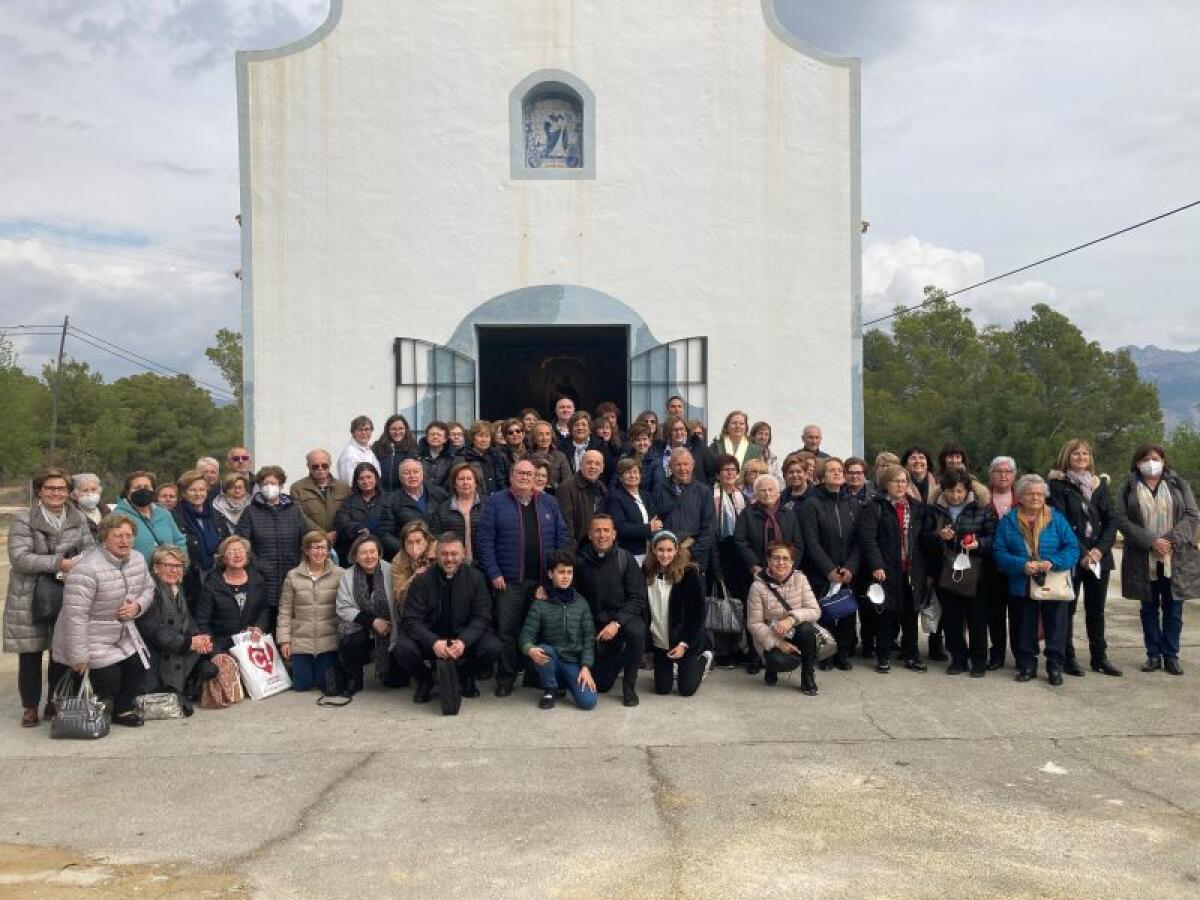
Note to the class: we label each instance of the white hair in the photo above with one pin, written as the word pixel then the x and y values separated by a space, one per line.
pixel 78 481
pixel 679 453
pixel 999 461
pixel 207 461
pixel 765 480
pixel 1025 482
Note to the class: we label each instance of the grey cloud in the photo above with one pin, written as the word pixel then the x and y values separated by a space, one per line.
pixel 175 168
pixel 41 120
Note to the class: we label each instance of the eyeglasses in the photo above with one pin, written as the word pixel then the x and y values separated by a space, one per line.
pixel 55 488
pixel 318 465
pixel 237 458
pixel 779 559
pixel 516 431
pixel 171 567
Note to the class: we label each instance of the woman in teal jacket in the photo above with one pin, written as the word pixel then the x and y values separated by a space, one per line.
pixel 1032 540
pixel 154 524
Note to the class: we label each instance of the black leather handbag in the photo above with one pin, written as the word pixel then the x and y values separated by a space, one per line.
pixel 47 599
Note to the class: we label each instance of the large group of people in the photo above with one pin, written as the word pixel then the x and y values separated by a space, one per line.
pixel 566 553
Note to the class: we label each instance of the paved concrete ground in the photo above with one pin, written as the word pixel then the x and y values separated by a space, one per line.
pixel 903 785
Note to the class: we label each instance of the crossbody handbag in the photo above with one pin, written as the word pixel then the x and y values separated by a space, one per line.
pixel 826 645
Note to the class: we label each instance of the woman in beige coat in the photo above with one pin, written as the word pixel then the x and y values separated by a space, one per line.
pixel 44 541
pixel 307 630
pixel 781 615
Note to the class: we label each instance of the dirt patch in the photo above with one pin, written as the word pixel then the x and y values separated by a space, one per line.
pixel 40 873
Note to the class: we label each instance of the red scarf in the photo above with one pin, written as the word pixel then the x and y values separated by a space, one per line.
pixel 901 509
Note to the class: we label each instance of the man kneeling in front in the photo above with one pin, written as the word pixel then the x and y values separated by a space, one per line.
pixel 447 620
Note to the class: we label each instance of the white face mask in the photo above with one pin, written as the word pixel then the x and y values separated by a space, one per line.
pixel 270 491
pixel 1151 468
pixel 88 501
pixel 875 594
pixel 962 562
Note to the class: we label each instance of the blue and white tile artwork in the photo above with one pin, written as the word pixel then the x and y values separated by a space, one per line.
pixel 554 134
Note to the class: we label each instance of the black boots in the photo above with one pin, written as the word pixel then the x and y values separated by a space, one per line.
pixel 1072 667
pixel 808 683
pixel 1104 667
pixel 937 650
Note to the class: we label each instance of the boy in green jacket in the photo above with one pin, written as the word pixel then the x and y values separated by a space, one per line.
pixel 559 636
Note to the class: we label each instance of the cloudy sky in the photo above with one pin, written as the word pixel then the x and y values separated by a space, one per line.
pixel 993 134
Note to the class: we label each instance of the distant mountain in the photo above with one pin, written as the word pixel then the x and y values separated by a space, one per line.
pixel 1177 374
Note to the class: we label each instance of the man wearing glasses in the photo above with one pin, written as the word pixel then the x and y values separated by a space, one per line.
pixel 518 530
pixel 238 460
pixel 320 495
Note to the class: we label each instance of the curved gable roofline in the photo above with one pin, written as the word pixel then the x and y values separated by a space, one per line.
pixel 309 40
pixel 770 10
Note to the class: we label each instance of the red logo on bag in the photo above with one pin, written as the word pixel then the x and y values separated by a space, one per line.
pixel 262 657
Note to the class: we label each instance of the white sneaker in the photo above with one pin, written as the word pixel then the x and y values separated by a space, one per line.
pixel 708 663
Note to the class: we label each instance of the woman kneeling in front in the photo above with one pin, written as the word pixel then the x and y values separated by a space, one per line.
pixel 677 611
pixel 781 611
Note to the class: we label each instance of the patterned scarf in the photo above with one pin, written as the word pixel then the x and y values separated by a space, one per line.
pixel 1158 515
pixel 902 517
pixel 1084 480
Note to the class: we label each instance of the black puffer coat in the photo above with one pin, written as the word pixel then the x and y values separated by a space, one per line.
pixel 274 532
pixel 829 523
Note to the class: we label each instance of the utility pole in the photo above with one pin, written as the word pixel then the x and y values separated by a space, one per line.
pixel 62 345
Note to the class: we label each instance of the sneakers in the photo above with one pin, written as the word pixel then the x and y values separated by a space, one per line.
pixel 547 701
pixel 708 663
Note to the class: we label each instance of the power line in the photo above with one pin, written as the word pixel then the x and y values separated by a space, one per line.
pixel 1039 262
pixel 156 369
pixel 145 361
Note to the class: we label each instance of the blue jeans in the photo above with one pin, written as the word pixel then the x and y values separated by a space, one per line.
pixel 558 671
pixel 1162 634
pixel 308 671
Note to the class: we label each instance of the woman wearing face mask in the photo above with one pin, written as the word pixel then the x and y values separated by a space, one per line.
pixel 85 495
pixel 367 615
pixel 1156 512
pixel 395 446
pixel 231 502
pixel 274 527
pixel 154 525
pixel 203 528
pixel 44 541
pixel 1081 496
pixel 677 611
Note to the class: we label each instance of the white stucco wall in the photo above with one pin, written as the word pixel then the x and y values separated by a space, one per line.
pixel 377 201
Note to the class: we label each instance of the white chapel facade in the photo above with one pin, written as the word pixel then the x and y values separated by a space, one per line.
pixel 454 210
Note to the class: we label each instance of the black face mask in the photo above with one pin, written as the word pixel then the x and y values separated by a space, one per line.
pixel 141 497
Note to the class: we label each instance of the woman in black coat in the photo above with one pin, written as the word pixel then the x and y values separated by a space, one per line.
pixel 1082 497
pixel 234 598
pixel 394 446
pixel 829 523
pixel 461 510
pixel 178 651
pixel 677 610
pixel 895 555
pixel 361 512
pixel 274 526
pixel 492 466
pixel 631 509
pixel 202 526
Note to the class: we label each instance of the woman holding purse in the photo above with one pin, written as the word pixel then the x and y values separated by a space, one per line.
pixel 44 544
pixel 781 614
pixel 965 528
pixel 1037 549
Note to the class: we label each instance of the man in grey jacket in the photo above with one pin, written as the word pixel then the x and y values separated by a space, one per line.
pixel 686 507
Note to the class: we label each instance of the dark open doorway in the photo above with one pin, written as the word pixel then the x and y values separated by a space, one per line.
pixel 532 365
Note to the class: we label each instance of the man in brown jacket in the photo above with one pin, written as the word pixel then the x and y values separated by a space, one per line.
pixel 320 495
pixel 581 495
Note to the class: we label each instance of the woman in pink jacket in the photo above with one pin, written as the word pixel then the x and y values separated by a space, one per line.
pixel 781 615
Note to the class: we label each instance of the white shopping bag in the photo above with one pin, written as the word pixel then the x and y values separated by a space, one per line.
pixel 260 665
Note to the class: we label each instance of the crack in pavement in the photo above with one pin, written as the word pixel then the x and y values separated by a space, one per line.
pixel 302 817
pixel 666 803
pixel 1123 780
pixel 862 697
